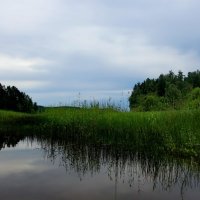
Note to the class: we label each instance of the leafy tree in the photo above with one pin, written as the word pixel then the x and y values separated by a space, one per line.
pixel 195 94
pixel 194 78
pixel 3 96
pixel 173 94
pixel 12 99
pixel 171 89
pixel 194 100
pixel 151 102
pixel 161 85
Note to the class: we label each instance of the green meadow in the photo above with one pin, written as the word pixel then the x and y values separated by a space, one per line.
pixel 174 133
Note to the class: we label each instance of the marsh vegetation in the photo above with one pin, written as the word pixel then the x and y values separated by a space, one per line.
pixel 172 132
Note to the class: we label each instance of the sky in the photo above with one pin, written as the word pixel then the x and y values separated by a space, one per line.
pixel 62 51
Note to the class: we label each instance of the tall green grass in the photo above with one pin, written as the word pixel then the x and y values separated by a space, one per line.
pixel 173 132
pixel 12 122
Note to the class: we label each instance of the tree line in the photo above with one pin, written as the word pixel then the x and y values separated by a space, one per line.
pixel 13 99
pixel 168 91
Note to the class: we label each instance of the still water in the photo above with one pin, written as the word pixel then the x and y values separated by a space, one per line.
pixel 37 169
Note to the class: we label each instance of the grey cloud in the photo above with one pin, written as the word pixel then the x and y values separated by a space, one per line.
pixel 98 44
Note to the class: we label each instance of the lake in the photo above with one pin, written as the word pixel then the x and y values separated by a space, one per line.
pixel 40 168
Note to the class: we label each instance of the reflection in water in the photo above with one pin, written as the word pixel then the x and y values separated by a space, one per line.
pixel 125 165
pixel 141 171
pixel 7 140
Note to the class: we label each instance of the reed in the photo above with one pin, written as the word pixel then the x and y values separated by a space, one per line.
pixel 173 132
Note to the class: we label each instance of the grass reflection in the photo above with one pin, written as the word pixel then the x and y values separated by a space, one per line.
pixel 122 164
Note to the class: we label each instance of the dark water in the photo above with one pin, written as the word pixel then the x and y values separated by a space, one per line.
pixel 48 169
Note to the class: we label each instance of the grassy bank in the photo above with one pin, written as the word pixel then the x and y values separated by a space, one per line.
pixel 173 132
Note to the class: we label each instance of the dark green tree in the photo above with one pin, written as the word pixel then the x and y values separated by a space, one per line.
pixel 171 89
pixel 12 99
pixel 173 95
pixel 151 102
pixel 194 78
pixel 161 85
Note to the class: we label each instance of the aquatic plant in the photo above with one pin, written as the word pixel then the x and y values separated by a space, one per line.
pixel 172 132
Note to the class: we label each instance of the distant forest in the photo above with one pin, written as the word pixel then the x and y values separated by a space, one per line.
pixel 168 91
pixel 13 99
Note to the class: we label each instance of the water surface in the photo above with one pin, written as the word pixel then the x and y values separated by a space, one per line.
pixel 48 169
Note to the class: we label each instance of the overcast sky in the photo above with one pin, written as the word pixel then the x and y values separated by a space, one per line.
pixel 61 50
